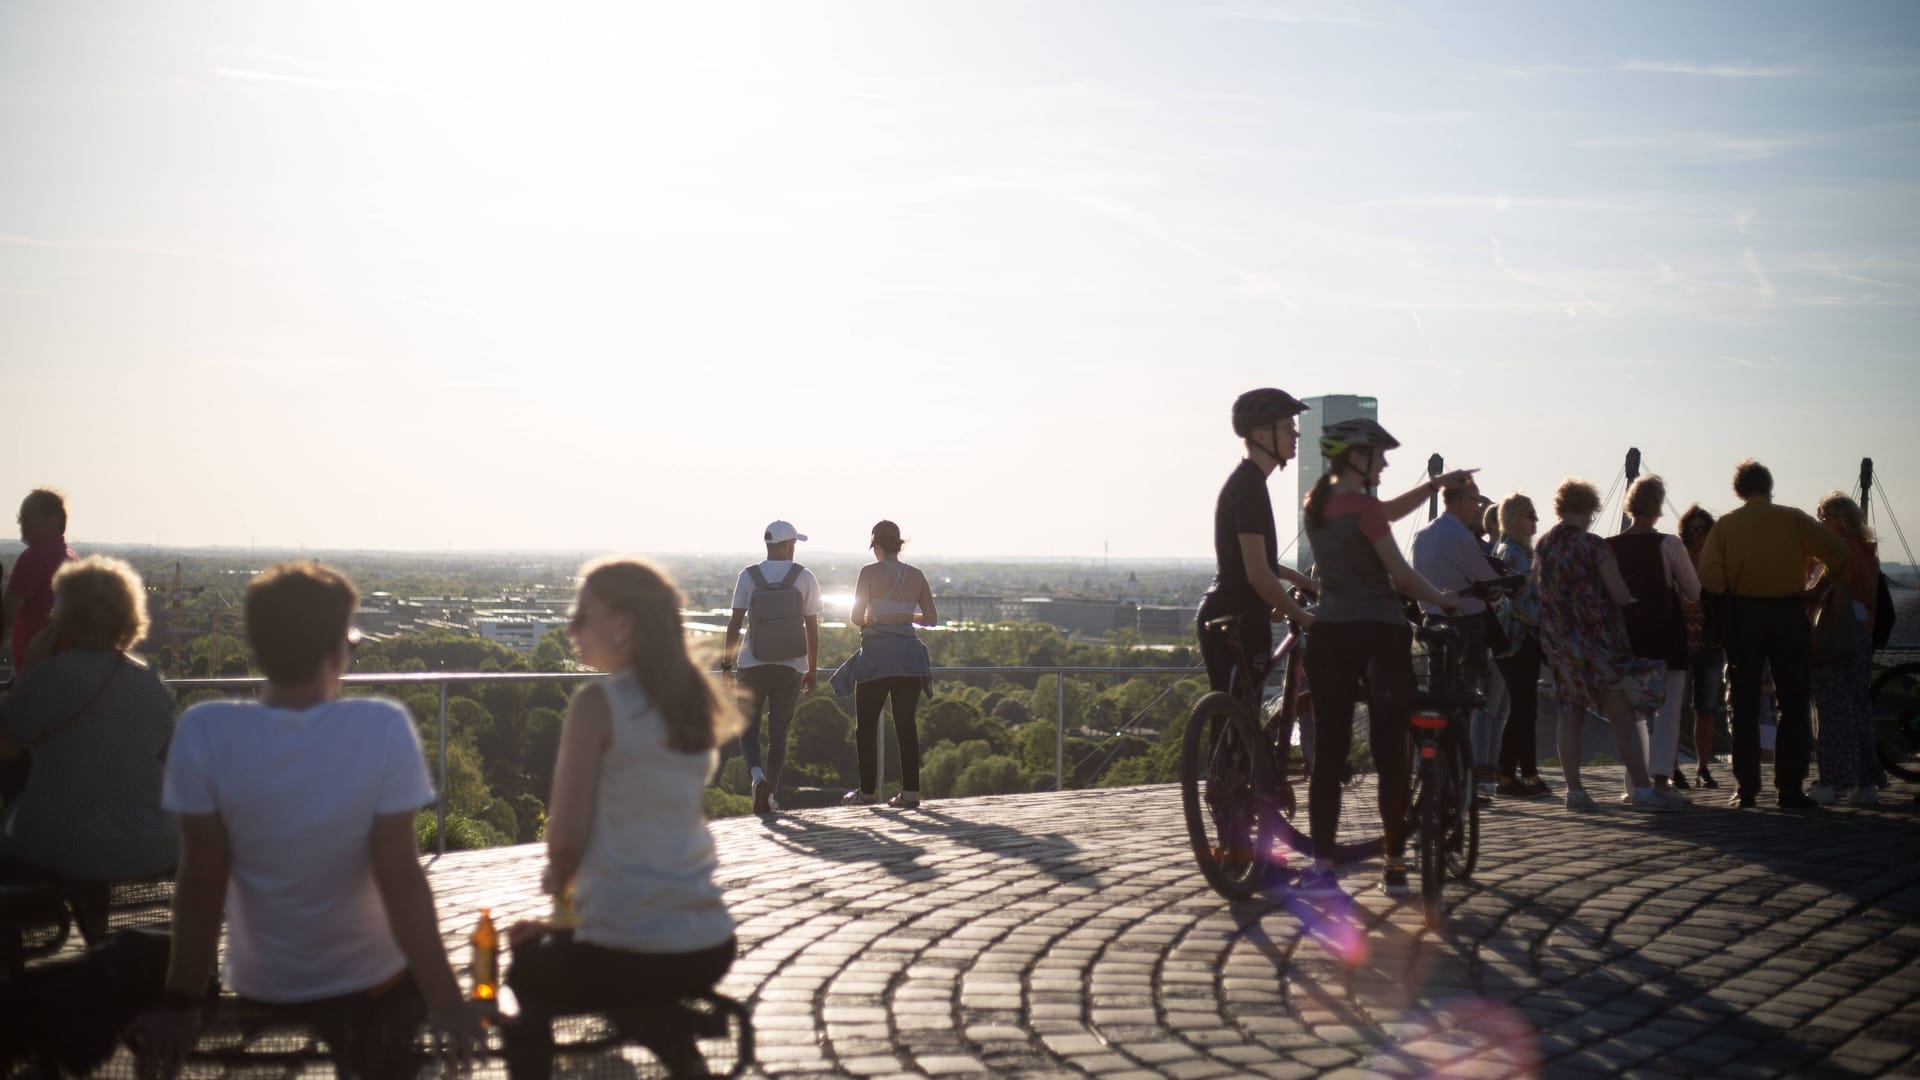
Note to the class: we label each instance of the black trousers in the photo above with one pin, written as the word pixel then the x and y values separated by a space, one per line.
pixel 1776 632
pixel 369 1033
pixel 1519 754
pixel 1256 643
pixel 1339 656
pixel 869 698
pixel 556 976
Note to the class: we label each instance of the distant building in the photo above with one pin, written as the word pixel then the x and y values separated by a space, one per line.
pixel 517 630
pixel 969 608
pixel 1165 620
pixel 1324 410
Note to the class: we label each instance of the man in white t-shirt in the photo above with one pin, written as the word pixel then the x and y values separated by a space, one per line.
pixel 297 820
pixel 775 676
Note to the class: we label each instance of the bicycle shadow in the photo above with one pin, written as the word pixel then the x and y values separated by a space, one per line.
pixel 1377 982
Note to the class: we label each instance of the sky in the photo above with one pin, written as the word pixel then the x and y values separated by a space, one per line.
pixel 643 277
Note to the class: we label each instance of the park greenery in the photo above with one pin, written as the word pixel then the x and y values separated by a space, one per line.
pixel 984 734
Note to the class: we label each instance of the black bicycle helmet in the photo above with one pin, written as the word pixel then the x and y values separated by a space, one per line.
pixel 1338 438
pixel 1258 408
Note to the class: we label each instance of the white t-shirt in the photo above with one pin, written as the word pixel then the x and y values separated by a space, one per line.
pixel 645 882
pixel 775 571
pixel 298 792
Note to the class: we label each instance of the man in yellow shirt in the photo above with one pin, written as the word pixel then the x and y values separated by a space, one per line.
pixel 1757 557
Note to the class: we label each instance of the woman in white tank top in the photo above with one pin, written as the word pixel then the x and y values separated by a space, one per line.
pixel 892 664
pixel 626 834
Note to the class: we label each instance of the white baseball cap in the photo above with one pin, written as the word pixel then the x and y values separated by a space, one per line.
pixel 782 531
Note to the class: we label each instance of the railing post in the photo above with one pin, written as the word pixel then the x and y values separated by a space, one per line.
pixel 440 828
pixel 1060 730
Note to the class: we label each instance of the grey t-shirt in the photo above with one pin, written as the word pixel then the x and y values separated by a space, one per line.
pixel 91 807
pixel 1354 583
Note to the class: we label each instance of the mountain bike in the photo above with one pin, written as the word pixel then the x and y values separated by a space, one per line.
pixel 1443 816
pixel 1896 719
pixel 1239 770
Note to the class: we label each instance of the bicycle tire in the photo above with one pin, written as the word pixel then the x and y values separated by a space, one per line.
pixel 1463 841
pixel 1221 778
pixel 1431 836
pixel 1894 711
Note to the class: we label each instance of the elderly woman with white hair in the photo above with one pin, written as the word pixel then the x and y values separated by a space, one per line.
pixel 94 723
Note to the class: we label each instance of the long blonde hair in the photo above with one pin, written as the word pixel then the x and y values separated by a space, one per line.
pixel 698 717
pixel 1510 509
pixel 1853 521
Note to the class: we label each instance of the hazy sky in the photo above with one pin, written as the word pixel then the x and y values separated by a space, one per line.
pixel 640 276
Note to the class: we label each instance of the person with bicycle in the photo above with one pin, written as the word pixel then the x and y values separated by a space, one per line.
pixel 1360 634
pixel 1250 579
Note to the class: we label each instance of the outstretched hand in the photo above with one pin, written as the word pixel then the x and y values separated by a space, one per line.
pixel 1458 478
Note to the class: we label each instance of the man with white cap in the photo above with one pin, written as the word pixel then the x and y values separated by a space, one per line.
pixel 778 600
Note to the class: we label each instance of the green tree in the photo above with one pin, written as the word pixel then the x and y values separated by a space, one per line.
pixel 940 769
pixel 554 652
pixel 467 793
pixel 500 817
pixel 956 720
pixel 819 740
pixel 1013 712
pixel 991 776
pixel 532 815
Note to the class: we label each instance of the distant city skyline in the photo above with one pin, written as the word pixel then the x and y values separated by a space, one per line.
pixel 639 277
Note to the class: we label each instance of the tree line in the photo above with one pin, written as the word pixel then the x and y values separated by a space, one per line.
pixel 979 735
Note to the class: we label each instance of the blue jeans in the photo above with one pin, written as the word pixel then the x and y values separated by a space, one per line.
pixel 774 688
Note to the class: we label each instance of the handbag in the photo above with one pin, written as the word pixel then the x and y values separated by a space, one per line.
pixel 1837 635
pixel 13 773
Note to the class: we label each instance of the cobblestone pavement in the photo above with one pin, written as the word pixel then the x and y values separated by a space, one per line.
pixel 1069 934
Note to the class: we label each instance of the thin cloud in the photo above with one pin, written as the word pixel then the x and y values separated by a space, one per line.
pixel 318 83
pixel 1703 147
pixel 1709 71
pixel 1761 284
pixel 168 251
pixel 1502 202
pixel 1132 218
pixel 1292 12
pixel 1507 268
pixel 1335 112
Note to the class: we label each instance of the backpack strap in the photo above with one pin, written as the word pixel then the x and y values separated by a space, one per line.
pixel 793 575
pixel 759 579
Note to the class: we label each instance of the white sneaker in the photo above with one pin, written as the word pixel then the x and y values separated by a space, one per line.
pixel 773 805
pixel 1578 799
pixel 1823 794
pixel 1647 798
pixel 1675 798
pixel 856 797
pixel 1865 795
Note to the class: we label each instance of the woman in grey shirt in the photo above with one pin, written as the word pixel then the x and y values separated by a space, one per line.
pixel 96 722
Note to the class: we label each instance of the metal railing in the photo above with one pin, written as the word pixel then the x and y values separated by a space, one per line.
pixel 443 680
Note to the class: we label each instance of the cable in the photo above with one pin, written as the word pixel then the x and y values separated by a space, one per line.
pixel 1887 505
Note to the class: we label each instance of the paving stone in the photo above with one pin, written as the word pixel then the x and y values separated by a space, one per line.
pixel 1705 943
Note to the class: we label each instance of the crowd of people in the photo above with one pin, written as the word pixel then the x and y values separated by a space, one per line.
pixel 1640 628
pixel 291 819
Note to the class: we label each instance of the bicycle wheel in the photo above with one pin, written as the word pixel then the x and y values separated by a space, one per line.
pixel 1896 720
pixel 1431 836
pixel 1463 831
pixel 1221 776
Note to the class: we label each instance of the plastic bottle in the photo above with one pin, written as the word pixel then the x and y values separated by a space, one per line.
pixel 486 958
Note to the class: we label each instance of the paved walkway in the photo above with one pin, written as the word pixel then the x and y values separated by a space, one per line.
pixel 1069 934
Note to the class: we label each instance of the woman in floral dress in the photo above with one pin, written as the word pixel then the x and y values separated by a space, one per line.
pixel 1585 641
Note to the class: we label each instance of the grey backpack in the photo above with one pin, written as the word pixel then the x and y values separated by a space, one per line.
pixel 776 617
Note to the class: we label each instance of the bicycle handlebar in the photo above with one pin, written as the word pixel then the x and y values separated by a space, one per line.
pixel 1493 588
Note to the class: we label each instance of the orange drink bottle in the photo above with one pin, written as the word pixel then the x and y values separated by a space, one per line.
pixel 486 959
